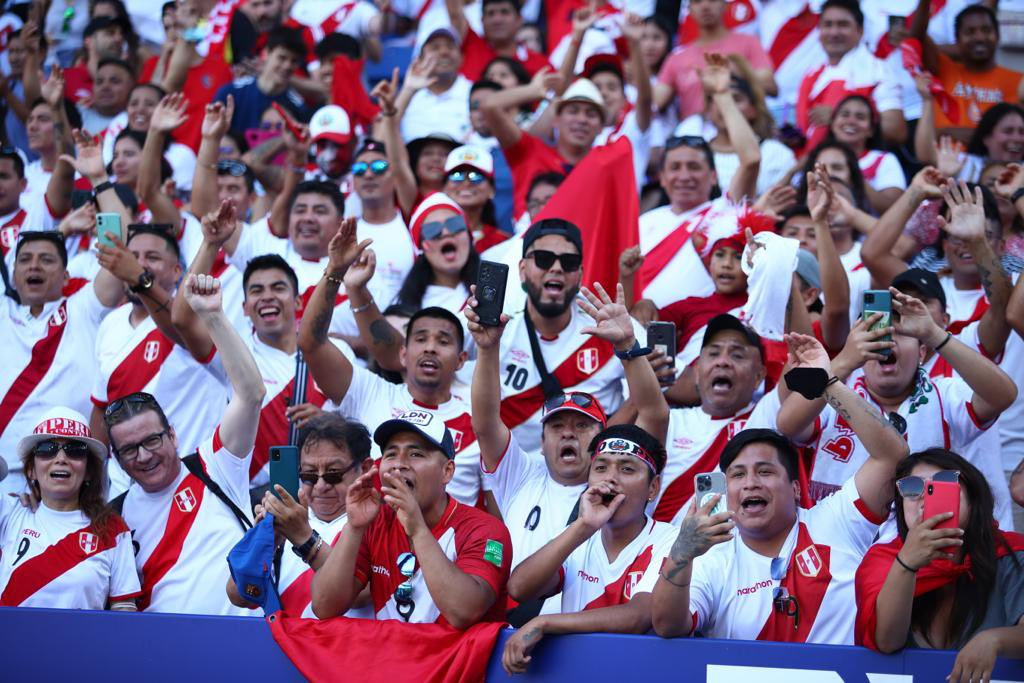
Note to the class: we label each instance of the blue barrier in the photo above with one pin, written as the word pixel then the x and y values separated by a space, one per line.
pixel 55 645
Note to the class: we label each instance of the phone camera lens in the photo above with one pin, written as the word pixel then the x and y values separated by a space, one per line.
pixel 488 293
pixel 869 298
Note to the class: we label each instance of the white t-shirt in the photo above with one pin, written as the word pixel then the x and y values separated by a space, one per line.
pixel 351 18
pixel 184 533
pixel 859 69
pixel 82 570
pixel 446 113
pixel 731 590
pixel 684 274
pixel 776 161
pixel 882 170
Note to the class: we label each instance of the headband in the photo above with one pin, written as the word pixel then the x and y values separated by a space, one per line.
pixel 618 445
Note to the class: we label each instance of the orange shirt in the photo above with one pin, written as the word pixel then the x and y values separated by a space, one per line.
pixel 974 91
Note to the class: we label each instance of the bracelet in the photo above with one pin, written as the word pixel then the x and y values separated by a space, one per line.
pixel 364 307
pixel 388 112
pixel 949 335
pixel 333 278
pixel 905 565
pixel 313 553
pixel 102 187
pixel 677 585
pixel 831 380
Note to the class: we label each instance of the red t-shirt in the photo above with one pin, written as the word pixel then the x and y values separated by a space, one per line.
pixel 201 85
pixel 77 83
pixel 475 541
pixel 527 159
pixel 487 237
pixel 477 54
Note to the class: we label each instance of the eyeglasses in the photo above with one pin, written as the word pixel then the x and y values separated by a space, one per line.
pixel 784 603
pixel 577 398
pixel 545 259
pixel 433 230
pixel 331 478
pixel 74 450
pixel 912 487
pixel 232 168
pixel 139 398
pixel 378 167
pixel 403 593
pixel 474 177
pixel 151 443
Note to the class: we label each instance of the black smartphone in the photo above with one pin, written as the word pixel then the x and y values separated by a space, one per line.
pixel 284 469
pixel 662 336
pixel 490 292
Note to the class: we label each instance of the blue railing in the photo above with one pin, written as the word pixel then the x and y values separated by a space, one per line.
pixel 54 645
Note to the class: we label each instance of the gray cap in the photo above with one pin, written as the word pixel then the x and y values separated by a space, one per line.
pixel 807 268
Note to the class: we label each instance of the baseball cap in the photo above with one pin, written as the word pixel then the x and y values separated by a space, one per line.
pixel 576 401
pixel 723 322
pixel 100 23
pixel 604 61
pixel 553 226
pixel 370 145
pixel 61 423
pixel 442 32
pixel 924 281
pixel 251 562
pixel 807 268
pixel 415 147
pixel 582 90
pixel 428 425
pixel 331 122
pixel 474 157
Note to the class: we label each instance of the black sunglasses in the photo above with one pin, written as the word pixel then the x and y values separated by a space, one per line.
pixel 139 398
pixel 912 486
pixel 232 168
pixel 694 141
pixel 454 225
pixel 582 400
pixel 332 478
pixel 75 450
pixel 545 259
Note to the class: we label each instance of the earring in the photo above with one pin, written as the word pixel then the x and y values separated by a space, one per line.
pixel 87 482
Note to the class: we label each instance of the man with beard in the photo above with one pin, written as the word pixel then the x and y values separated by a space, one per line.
pixel 104 38
pixel 442 106
pixel 114 82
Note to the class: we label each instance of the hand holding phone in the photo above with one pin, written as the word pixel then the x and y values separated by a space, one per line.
pixel 940 497
pixel 879 301
pixel 108 227
pixel 490 292
pixel 284 470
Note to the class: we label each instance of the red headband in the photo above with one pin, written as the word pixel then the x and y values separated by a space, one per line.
pixel 617 445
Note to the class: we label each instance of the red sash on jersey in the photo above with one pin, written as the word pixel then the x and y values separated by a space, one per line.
pixel 871 171
pixel 807 578
pixel 829 96
pixel 792 34
pixel 10 230
pixel 665 250
pixel 515 410
pixel 885 48
pixel 621 591
pixel 297 596
pixel 140 366
pixel 185 504
pixel 58 559
pixel 958 326
pixel 274 425
pixel 43 353
pixel 680 489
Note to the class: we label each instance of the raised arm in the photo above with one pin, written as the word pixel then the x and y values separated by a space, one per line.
pixel 877 249
pixel 386 93
pixel 169 114
pixel 632 29
pixel 583 18
pixel 924 134
pixel 497 109
pixel 335 584
pixel 381 338
pixel 919 29
pixel 457 17
pixel 835 285
pixel 58 190
pixel 216 122
pixel 485 391
pixel 242 416
pixel 716 78
pixel 297 155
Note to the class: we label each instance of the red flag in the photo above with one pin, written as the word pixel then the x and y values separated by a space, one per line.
pixel 910 50
pixel 347 91
pixel 343 649
pixel 599 196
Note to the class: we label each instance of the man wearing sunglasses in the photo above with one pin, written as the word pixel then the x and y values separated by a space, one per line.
pixel 426 557
pixel 765 568
pixel 182 528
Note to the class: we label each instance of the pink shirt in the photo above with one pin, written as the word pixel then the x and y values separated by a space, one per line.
pixel 680 69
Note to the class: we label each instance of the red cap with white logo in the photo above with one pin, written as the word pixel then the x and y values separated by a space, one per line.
pixel 62 423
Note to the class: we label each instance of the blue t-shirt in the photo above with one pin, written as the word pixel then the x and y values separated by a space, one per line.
pixel 251 102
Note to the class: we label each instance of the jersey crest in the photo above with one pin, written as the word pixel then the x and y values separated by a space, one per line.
pixel 88 542
pixel 587 360
pixel 808 562
pixel 152 351
pixel 9 236
pixel 456 438
pixel 185 500
pixel 631 582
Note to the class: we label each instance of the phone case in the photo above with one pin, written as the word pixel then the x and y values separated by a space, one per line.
pixel 284 469
pixel 939 497
pixel 708 484
pixel 662 335
pixel 108 225
pixel 490 292
pixel 879 301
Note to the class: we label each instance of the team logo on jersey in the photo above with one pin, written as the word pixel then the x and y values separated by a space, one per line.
pixel 808 562
pixel 735 427
pixel 57 319
pixel 420 418
pixel 586 360
pixel 520 356
pixel 456 438
pixel 632 580
pixel 88 542
pixel 152 351
pixel 185 501
pixel 9 236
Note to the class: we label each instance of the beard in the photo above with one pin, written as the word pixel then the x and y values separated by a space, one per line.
pixel 550 309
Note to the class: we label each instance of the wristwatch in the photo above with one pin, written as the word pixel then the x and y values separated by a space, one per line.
pixel 102 187
pixel 145 282
pixel 634 352
pixel 303 550
pixel 1016 195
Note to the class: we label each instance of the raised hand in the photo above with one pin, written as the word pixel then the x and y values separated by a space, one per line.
pixel 863 344
pixel 820 194
pixel 598 504
pixel 776 201
pixel 220 225
pixel 544 81
pixel 385 92
pixel 928 180
pixel 715 75
pixel 630 261
pixel 421 73
pixel 966 213
pixel 362 502
pixel 583 18
pixel 297 145
pixel 950 157
pixel 925 543
pixel 1009 181
pixel 343 250
pixel 88 159
pixel 923 83
pixel 80 221
pixel 400 497
pixel 485 337
pixel 752 245
pixel 632 28
pixel 217 119
pixel 52 89
pixel 807 352
pixel 202 292
pixel 360 272
pixel 913 318
pixel 119 262
pixel 698 533
pixel 170 113
pixel 611 318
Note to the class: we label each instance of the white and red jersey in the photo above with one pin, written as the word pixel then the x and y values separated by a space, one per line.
pixel 579 361
pixel 694 443
pixel 741 16
pixel 879 13
pixel 882 169
pixel 48 362
pixel 672 268
pixel 731 590
pixel 964 306
pixel 590 581
pixel 372 400
pixel 141 358
pixel 184 532
pixel 295 581
pixel 190 239
pixel 475 542
pixel 859 278
pixel 320 18
pixel 55 559
pixel 33 214
pixel 789 33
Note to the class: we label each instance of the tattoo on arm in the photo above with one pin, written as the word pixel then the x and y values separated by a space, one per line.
pixel 837 403
pixel 690 543
pixel 322 320
pixel 383 333
pixel 531 636
pixel 986 279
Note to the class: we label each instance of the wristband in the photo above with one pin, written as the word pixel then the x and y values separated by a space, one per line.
pixel 905 565
pixel 364 307
pixel 677 585
pixel 634 352
pixel 333 278
pixel 102 187
pixel 316 551
pixel 303 550
pixel 949 335
pixel 1016 195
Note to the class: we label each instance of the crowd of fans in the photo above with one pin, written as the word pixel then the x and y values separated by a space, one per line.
pixel 302 193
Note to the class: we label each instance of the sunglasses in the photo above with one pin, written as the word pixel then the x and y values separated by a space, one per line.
pixel 694 141
pixel 378 167
pixel 139 398
pixel 912 487
pixel 74 450
pixel 403 593
pixel 474 177
pixel 331 478
pixel 232 168
pixel 784 603
pixel 434 229
pixel 545 259
pixel 579 399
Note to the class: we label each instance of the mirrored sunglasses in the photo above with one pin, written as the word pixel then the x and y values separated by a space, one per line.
pixel 434 229
pixel 378 167
pixel 912 486
pixel 474 177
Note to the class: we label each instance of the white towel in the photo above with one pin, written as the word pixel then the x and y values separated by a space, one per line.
pixel 768 283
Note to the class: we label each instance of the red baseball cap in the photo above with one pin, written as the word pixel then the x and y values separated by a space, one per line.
pixel 577 401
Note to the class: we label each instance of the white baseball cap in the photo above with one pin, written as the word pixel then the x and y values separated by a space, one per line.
pixel 331 122
pixel 61 423
pixel 472 156
pixel 425 423
pixel 582 90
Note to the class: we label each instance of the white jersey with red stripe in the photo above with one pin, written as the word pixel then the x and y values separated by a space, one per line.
pixel 731 590
pixel 340 16
pixel 882 169
pixel 858 70
pixel 32 214
pixel 684 274
pixel 694 443
pixel 963 305
pixel 50 558
pixel 860 280
pixel 141 358
pixel 48 362
pixel 184 532
pixel 789 33
pixel 591 581
pixel 879 13
pixel 372 400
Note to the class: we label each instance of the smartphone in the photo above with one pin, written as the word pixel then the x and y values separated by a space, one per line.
pixel 284 469
pixel 108 227
pixel 879 301
pixel 708 484
pixel 939 497
pixel 662 336
pixel 490 292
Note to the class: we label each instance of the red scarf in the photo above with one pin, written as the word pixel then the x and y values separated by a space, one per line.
pixel 879 560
